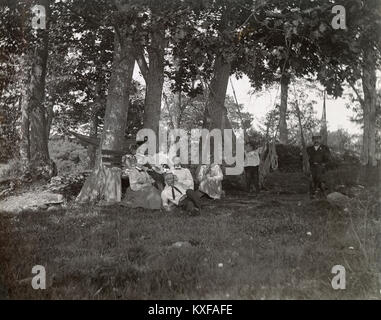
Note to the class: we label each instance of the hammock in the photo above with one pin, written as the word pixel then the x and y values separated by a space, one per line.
pixel 95 141
pixel 269 161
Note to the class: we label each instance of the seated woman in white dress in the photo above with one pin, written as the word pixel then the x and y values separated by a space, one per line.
pixel 210 177
pixel 141 193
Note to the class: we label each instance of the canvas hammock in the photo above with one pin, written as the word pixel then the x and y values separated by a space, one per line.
pixel 269 161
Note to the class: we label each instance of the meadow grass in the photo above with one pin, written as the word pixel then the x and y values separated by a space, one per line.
pixel 279 245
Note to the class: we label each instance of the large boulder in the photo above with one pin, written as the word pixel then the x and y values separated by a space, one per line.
pixel 31 201
pixel 338 199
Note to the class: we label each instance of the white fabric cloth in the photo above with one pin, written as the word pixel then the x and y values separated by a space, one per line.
pixel 184 178
pixel 139 179
pixel 210 178
pixel 252 158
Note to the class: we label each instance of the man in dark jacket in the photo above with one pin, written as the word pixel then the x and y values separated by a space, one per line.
pixel 319 156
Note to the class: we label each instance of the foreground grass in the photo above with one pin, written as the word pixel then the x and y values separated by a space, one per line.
pixel 279 245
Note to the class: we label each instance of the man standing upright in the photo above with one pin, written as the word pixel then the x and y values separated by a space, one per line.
pixel 319 156
pixel 251 164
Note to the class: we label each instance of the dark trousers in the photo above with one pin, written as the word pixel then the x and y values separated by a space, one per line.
pixel 317 178
pixel 159 179
pixel 191 201
pixel 252 178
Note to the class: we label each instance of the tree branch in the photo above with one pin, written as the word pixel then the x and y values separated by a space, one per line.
pixel 361 100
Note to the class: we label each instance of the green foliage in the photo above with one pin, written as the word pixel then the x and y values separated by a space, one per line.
pixel 12 170
pixel 341 140
pixel 343 51
pixel 69 156
pixel 239 119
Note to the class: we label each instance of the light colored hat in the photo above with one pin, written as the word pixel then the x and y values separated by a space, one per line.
pixel 169 179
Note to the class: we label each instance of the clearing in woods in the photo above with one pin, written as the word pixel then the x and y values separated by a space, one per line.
pixel 277 245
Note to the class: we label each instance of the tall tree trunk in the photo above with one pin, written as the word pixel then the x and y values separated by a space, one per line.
pixel 216 109
pixel 104 183
pixel 178 109
pixel 49 119
pixel 24 130
pixel 92 149
pixel 37 116
pixel 154 81
pixel 283 132
pixel 96 106
pixel 369 79
pixel 34 145
pixel 305 158
pixel 217 94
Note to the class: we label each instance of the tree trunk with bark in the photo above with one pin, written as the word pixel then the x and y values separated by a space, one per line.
pixel 49 119
pixel 105 181
pixel 283 132
pixel 369 104
pixel 94 122
pixel 216 110
pixel 217 94
pixel 25 126
pixel 34 144
pixel 92 149
pixel 154 78
pixel 305 158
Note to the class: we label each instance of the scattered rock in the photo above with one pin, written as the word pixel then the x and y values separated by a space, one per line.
pixel 357 190
pixel 338 199
pixel 181 244
pixel 31 201
pixel 54 208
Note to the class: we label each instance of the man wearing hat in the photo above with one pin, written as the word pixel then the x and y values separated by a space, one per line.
pixel 319 156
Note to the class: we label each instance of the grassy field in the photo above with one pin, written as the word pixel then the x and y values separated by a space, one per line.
pixel 279 245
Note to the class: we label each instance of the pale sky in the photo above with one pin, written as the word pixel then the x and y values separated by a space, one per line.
pixel 338 116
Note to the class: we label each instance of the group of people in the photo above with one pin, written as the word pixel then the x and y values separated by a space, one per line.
pixel 166 186
pixel 159 184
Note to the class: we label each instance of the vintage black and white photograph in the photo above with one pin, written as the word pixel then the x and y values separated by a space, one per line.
pixel 198 150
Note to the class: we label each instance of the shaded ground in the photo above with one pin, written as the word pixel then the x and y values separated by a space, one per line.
pixel 278 245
